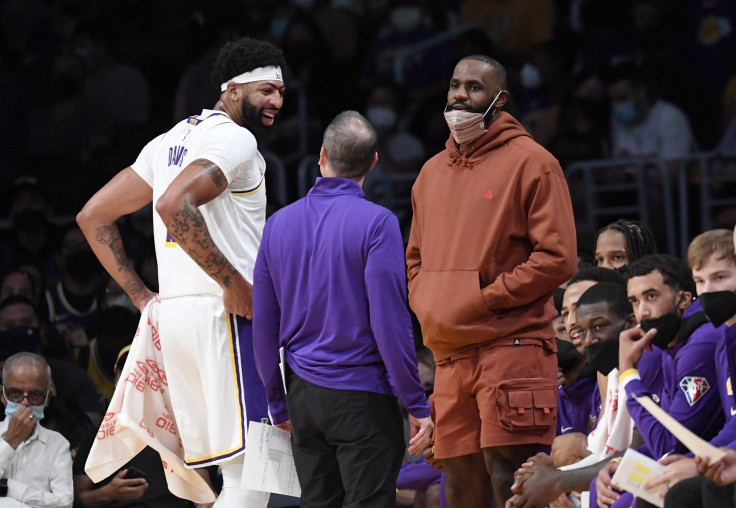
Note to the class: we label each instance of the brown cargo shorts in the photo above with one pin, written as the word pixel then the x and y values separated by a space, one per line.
pixel 499 394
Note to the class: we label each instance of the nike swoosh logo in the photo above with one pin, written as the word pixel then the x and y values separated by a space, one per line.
pixel 565 429
pixel 733 411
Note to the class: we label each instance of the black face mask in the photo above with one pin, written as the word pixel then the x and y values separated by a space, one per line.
pixel 668 326
pixel 29 221
pixel 719 306
pixel 588 370
pixel 567 355
pixel 81 264
pixel 623 270
pixel 19 338
pixel 604 356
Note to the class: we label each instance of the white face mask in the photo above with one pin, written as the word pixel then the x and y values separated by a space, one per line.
pixel 530 78
pixel 467 126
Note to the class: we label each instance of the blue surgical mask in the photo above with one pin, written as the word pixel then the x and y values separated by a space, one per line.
pixel 12 407
pixel 625 113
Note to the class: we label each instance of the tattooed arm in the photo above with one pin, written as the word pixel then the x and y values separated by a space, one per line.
pixel 200 182
pixel 124 194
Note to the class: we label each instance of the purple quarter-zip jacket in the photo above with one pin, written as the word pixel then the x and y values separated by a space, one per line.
pixel 329 287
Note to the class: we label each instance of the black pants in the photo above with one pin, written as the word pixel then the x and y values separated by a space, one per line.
pixel 697 492
pixel 347 445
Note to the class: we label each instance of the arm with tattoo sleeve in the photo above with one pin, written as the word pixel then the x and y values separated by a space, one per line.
pixel 199 183
pixel 124 194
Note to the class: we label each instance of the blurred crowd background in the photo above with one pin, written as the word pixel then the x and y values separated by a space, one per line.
pixel 83 84
pixel 636 99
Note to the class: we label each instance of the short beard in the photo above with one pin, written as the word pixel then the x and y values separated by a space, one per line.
pixel 252 120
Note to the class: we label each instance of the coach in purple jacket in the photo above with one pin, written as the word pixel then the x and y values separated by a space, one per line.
pixel 329 287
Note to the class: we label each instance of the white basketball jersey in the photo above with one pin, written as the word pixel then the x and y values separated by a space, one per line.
pixel 234 219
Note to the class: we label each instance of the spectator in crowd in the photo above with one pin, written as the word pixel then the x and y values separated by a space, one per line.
pixel 21 330
pixel 406 23
pixel 705 48
pixel 18 282
pixel 117 90
pixel 643 125
pixel 546 80
pixel 584 121
pixel 398 150
pixel 32 238
pixel 344 455
pixel 72 300
pixel 64 129
pixel 622 242
pixel 35 463
pixel 115 329
pixel 480 282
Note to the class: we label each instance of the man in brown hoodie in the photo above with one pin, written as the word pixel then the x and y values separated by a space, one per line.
pixel 492 236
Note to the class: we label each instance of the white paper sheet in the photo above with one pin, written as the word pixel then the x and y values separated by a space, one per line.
pixel 269 464
pixel 585 499
pixel 695 443
pixel 635 471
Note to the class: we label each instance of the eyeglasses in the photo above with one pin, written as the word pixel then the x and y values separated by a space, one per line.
pixel 35 397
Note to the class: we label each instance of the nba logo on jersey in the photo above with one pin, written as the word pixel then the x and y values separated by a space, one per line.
pixel 694 388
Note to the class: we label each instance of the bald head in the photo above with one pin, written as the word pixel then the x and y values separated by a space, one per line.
pixel 350 143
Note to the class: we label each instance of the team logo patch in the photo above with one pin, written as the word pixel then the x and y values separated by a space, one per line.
pixel 694 388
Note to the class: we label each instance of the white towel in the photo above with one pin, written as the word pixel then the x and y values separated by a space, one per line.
pixel 140 415
pixel 615 426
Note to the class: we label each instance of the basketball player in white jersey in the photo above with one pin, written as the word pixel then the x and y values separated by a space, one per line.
pixel 206 180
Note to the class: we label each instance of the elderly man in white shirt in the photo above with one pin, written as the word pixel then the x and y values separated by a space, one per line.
pixel 35 463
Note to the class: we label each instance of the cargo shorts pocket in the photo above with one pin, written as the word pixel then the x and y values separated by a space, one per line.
pixel 526 403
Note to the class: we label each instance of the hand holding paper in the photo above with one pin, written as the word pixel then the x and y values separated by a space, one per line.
pixel 634 472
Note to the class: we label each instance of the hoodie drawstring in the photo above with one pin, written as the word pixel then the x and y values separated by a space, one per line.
pixel 459 154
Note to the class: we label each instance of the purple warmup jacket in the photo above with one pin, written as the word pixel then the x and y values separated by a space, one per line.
pixel 690 392
pixel 329 287
pixel 578 405
pixel 725 364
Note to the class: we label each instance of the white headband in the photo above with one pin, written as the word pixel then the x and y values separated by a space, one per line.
pixel 272 72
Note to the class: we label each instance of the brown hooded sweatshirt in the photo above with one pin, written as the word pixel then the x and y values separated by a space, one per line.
pixel 492 236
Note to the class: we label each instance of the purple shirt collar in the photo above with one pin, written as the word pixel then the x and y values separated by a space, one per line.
pixel 335 185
